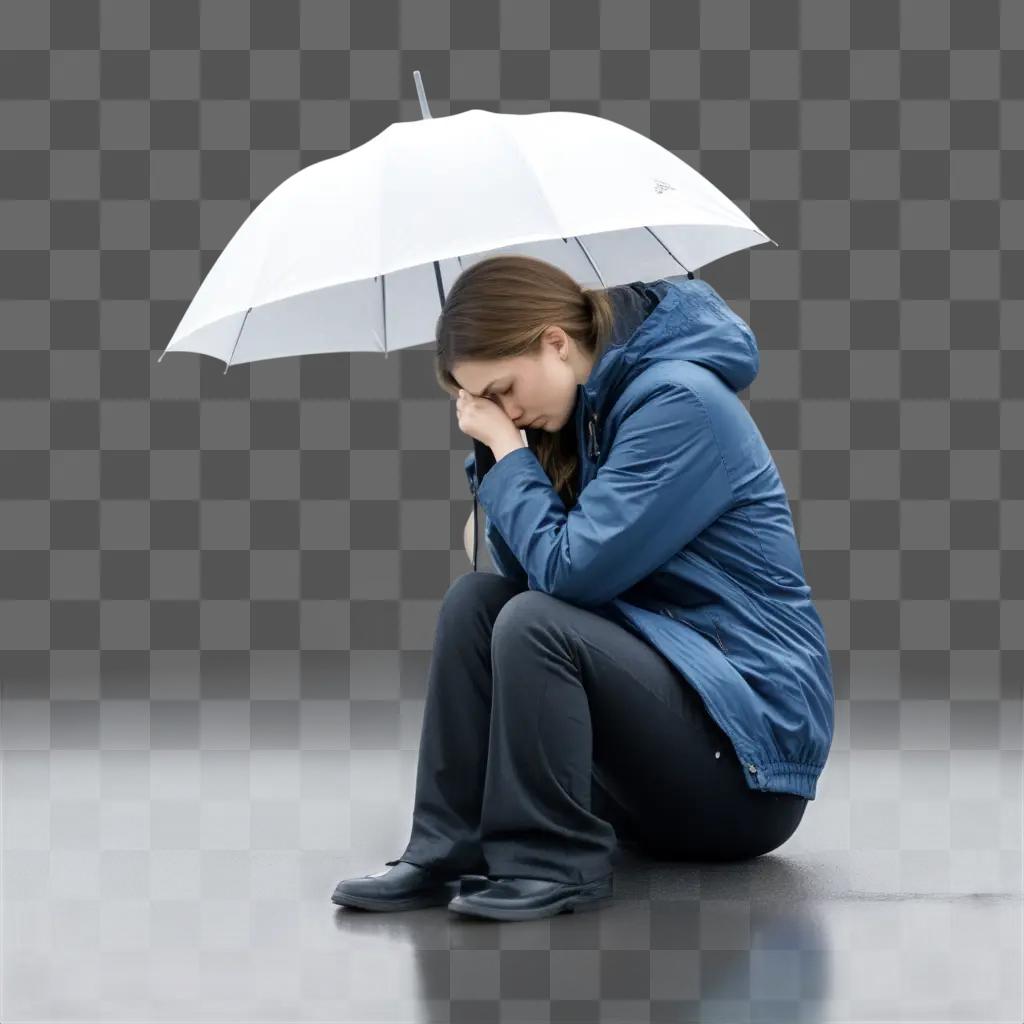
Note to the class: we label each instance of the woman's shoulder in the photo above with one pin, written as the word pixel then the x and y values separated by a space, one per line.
pixel 670 379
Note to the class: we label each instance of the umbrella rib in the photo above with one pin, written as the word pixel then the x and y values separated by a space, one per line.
pixel 440 285
pixel 227 366
pixel 384 313
pixel 586 252
pixel 667 249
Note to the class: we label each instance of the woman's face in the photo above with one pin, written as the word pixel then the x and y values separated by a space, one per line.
pixel 531 388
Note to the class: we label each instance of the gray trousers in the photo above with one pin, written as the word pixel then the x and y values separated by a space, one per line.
pixel 551 733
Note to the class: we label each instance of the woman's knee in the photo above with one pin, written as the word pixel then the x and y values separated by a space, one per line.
pixel 473 590
pixel 527 609
pixel 523 606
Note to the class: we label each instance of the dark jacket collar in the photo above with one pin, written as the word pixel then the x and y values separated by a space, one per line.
pixel 676 318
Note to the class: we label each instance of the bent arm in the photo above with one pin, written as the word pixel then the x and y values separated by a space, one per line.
pixel 664 482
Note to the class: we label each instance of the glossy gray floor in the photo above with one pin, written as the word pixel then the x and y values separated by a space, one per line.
pixel 193 884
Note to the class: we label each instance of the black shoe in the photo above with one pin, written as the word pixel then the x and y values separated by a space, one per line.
pixel 522 899
pixel 404 886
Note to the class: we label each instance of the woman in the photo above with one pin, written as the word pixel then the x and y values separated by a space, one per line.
pixel 647 663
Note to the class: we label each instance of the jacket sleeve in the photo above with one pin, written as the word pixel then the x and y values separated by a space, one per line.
pixel 504 561
pixel 664 482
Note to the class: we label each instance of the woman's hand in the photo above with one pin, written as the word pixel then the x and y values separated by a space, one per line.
pixel 486 421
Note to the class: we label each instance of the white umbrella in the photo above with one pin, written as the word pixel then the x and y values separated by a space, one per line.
pixel 356 253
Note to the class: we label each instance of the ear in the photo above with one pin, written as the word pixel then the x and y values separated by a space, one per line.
pixel 556 337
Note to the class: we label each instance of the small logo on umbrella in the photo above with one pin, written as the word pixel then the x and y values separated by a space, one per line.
pixel 661 186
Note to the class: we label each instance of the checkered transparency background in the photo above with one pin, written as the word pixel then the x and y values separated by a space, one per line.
pixel 286 532
pixel 219 592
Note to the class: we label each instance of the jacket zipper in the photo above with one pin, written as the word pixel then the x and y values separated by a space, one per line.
pixel 592 449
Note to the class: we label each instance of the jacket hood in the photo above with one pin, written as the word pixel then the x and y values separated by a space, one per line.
pixel 671 318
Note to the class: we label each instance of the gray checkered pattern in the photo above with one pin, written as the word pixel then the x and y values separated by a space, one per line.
pixel 218 592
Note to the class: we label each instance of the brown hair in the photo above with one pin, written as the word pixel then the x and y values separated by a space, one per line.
pixel 498 308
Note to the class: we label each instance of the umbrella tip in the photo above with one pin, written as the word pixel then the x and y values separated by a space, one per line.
pixel 424 109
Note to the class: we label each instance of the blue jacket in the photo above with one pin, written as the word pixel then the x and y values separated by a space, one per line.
pixel 682 531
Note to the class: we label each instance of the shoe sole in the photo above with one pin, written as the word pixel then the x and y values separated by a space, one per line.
pixel 588 899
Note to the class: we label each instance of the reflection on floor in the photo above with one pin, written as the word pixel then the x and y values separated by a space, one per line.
pixel 194 884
